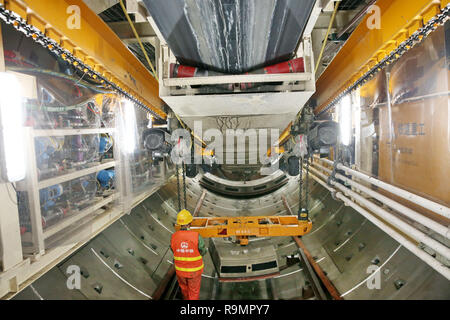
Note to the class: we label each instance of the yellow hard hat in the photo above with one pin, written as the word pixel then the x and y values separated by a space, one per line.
pixel 184 217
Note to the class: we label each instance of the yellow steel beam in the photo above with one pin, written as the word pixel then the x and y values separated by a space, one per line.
pixel 367 47
pixel 284 137
pixel 94 43
pixel 262 226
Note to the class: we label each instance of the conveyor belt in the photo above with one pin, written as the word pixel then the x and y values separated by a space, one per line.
pixel 230 35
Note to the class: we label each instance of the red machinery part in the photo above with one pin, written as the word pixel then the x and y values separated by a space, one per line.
pixel 9 54
pixel 291 66
pixel 181 71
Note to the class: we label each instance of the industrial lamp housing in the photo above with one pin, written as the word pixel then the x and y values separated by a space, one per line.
pixel 12 130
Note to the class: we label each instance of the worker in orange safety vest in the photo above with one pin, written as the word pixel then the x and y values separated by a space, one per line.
pixel 188 249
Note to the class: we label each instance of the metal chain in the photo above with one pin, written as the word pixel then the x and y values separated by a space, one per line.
pixel 307 186
pixel 415 38
pixel 184 184
pixel 300 189
pixel 307 176
pixel 35 34
pixel 178 187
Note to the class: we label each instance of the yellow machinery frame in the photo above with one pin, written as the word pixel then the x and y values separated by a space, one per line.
pixel 365 48
pixel 245 227
pixel 94 43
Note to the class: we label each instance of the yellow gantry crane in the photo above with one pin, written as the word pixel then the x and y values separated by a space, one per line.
pixel 244 227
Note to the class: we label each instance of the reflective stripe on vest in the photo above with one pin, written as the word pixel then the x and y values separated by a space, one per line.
pixel 188 258
pixel 189 269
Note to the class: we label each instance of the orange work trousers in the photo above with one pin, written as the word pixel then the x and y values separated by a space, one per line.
pixel 190 286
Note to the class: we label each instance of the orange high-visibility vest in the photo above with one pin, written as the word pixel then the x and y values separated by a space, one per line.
pixel 186 256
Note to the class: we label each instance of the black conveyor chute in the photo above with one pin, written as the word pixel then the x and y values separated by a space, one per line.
pixel 231 36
